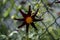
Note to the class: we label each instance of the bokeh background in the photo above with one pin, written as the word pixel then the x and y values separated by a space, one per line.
pixel 48 29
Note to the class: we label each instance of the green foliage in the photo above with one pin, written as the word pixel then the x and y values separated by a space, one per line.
pixel 3 30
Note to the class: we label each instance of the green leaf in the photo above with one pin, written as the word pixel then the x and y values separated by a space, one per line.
pixel 3 29
pixel 6 14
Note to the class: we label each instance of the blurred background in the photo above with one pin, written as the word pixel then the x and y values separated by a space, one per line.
pixel 48 29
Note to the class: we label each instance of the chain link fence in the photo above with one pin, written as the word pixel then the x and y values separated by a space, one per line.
pixel 51 19
pixel 54 21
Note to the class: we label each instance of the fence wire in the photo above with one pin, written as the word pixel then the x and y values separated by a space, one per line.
pixel 47 27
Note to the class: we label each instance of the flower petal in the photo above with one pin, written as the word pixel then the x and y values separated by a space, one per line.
pixel 35 13
pixel 27 28
pixel 23 14
pixel 33 25
pixel 29 12
pixel 19 19
pixel 21 25
pixel 35 20
pixel 57 2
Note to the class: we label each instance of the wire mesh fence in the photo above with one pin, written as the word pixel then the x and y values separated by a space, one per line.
pixel 49 25
pixel 48 29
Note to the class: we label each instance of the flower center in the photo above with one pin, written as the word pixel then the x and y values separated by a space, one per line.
pixel 29 20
